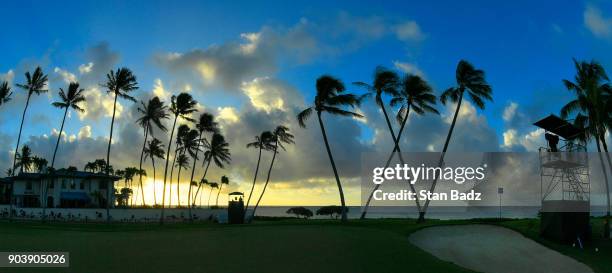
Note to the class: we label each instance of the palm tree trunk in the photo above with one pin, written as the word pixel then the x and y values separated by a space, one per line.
pixel 200 184
pixel 396 148
pixel 195 160
pixel 110 140
pixel 45 186
pixel 267 179
pixel 144 144
pixel 448 137
pixel 25 109
pixel 219 192
pixel 209 194
pixel 246 207
pixel 161 218
pixel 154 184
pixel 178 181
pixel 172 171
pixel 333 164
pixel 605 173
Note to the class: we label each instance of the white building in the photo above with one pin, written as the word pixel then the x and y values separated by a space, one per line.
pixel 66 189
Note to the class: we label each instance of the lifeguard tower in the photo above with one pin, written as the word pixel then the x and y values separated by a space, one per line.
pixel 564 182
pixel 235 208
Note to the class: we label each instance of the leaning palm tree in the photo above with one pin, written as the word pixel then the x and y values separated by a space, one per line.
pixel 25 159
pixel 182 162
pixel 182 106
pixel 472 81
pixel 414 94
pixel 36 83
pixel 206 124
pixel 262 142
pixel 191 146
pixel 181 133
pixel 213 185
pixel 69 99
pixel 224 180
pixel 216 150
pixel 280 137
pixel 330 98
pixel 593 96
pixel 154 149
pixel 5 93
pixel 118 83
pixel 152 114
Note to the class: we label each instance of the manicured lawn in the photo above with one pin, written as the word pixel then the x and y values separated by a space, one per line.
pixel 285 246
pixel 266 246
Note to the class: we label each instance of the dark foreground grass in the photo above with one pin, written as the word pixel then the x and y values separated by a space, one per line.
pixel 283 246
pixel 266 246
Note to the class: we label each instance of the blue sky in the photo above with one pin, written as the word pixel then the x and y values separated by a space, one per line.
pixel 525 47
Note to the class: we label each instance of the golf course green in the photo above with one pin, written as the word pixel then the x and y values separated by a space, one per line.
pixel 265 246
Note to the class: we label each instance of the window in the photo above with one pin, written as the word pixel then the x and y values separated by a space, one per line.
pixel 72 185
pixel 29 185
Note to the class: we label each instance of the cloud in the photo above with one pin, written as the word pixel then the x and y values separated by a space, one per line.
pixel 227 115
pixel 408 68
pixel 597 23
pixel 99 104
pixel 86 68
pixel 9 76
pixel 65 75
pixel 409 31
pixel 270 94
pixel 510 111
pixel 159 90
pixel 84 132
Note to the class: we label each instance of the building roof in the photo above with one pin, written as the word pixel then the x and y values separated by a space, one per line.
pixel 559 127
pixel 63 173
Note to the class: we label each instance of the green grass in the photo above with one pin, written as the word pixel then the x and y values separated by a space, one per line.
pixel 265 246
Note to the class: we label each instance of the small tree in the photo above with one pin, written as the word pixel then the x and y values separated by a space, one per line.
pixel 332 211
pixel 300 211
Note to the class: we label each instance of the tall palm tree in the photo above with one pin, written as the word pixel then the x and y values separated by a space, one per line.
pixel 154 149
pixel 39 164
pixel 330 98
pixel 5 92
pixel 25 159
pixel 593 95
pixel 69 99
pixel 182 162
pixel 470 80
pixel 262 142
pixel 280 136
pixel 224 180
pixel 213 185
pixel 203 183
pixel 118 83
pixel 216 150
pixel 152 114
pixel 191 146
pixel 182 106
pixel 414 94
pixel 206 124
pixel 181 133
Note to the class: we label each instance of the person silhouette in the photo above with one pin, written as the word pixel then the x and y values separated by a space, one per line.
pixel 553 140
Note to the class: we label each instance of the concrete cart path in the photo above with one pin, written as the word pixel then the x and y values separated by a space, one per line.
pixel 486 248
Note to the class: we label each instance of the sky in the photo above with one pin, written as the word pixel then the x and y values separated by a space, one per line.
pixel 254 66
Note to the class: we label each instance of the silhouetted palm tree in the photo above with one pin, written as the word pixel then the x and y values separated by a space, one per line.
pixel 280 136
pixel 224 180
pixel 414 94
pixel 5 93
pixel 262 142
pixel 182 162
pixel 36 83
pixel 206 124
pixel 593 95
pixel 118 83
pixel 182 106
pixel 181 133
pixel 472 81
pixel 191 147
pixel 213 185
pixel 330 98
pixel 39 164
pixel 153 113
pixel 216 150
pixel 25 159
pixel 154 149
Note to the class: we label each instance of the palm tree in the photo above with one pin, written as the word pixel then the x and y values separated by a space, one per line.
pixel 330 98
pixel 262 142
pixel 181 133
pixel 25 160
pixel 69 99
pixel 280 136
pixel 182 162
pixel 182 106
pixel 203 183
pixel 90 166
pixel 216 150
pixel 154 149
pixel 119 83
pixel 206 124
pixel 5 93
pixel 414 94
pixel 472 81
pixel 593 95
pixel 153 113
pixel 191 145
pixel 224 180
pixel 39 164
pixel 213 185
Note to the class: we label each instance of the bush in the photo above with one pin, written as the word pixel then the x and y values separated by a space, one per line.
pixel 332 211
pixel 300 211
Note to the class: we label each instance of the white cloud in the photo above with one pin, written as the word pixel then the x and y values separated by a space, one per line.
pixel 530 141
pixel 408 68
pixel 65 75
pixel 84 132
pixel 597 23
pixel 86 68
pixel 98 104
pixel 159 90
pixel 9 76
pixel 510 111
pixel 264 96
pixel 409 31
pixel 227 115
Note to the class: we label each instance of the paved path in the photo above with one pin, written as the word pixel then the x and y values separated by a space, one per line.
pixel 486 248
